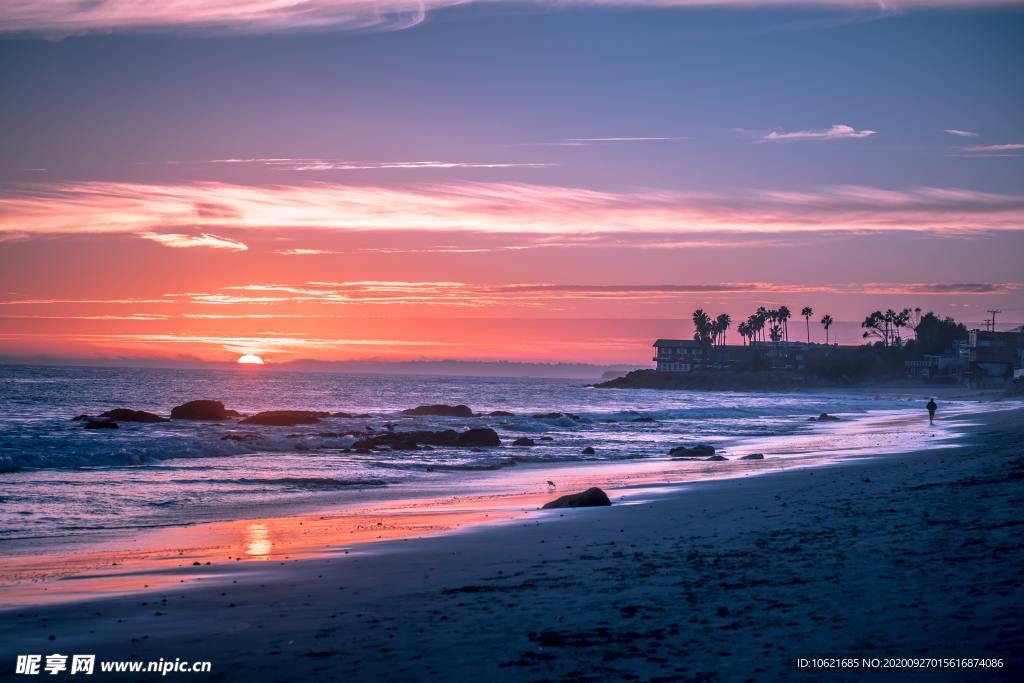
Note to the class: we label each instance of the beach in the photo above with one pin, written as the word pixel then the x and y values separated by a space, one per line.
pixel 908 555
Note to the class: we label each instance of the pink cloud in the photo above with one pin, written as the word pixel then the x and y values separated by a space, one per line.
pixel 1011 147
pixel 182 241
pixel 196 214
pixel 73 17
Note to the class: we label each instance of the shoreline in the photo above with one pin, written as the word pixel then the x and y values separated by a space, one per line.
pixel 137 560
pixel 889 556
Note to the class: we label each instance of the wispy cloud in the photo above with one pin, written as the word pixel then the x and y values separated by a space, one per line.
pixel 1010 147
pixel 161 212
pixel 183 241
pixel 73 17
pixel 837 132
pixel 540 295
pixel 340 165
pixel 305 252
pixel 587 142
pixel 960 133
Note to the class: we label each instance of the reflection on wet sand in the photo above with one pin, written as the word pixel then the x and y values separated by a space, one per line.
pixel 161 558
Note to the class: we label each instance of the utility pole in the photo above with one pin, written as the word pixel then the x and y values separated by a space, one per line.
pixel 993 311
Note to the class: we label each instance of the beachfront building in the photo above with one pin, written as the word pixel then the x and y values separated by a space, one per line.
pixel 679 355
pixel 994 357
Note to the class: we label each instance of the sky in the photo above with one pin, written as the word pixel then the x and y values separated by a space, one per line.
pixel 492 180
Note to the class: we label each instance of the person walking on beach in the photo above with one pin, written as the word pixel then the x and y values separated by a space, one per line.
pixel 931 411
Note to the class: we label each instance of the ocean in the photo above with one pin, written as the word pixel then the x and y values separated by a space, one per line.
pixel 58 479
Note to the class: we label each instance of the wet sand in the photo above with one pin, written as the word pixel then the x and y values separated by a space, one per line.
pixel 915 554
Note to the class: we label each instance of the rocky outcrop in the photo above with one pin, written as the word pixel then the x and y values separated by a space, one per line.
pixel 753 456
pixel 593 497
pixel 824 417
pixel 524 441
pixel 480 437
pixel 589 451
pixel 100 424
pixel 716 458
pixel 643 419
pixel 285 418
pixel 129 415
pixel 701 450
pixel 344 414
pixel 554 416
pixel 500 413
pixel 199 410
pixel 440 410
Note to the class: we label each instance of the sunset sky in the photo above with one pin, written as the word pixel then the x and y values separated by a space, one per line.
pixel 537 180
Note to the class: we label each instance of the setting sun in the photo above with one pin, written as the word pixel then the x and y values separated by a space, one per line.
pixel 250 359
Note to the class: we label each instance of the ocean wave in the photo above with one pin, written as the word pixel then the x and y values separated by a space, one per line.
pixel 291 482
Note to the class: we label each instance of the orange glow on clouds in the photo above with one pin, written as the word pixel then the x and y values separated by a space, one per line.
pixel 158 212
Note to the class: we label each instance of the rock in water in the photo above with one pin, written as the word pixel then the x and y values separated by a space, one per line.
pixel 555 416
pixel 701 450
pixel 753 456
pixel 128 415
pixel 524 441
pixel 285 418
pixel 643 419
pixel 588 451
pixel 593 497
pixel 440 410
pixel 825 417
pixel 482 436
pixel 716 458
pixel 100 424
pixel 199 410
pixel 500 413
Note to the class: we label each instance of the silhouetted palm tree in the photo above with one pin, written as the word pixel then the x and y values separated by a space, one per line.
pixel 826 322
pixel 702 324
pixel 807 312
pixel 723 321
pixel 762 317
pixel 784 316
pixel 744 329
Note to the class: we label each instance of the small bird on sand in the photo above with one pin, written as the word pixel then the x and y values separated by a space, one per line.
pixel 551 484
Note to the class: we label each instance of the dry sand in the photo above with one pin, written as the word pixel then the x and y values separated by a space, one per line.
pixel 914 555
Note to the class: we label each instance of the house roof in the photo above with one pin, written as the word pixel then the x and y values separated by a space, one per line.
pixel 662 343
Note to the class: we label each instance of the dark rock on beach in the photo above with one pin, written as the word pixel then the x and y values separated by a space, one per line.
pixel 753 456
pixel 199 410
pixel 524 441
pixel 716 458
pixel 593 497
pixel 129 415
pixel 440 410
pixel 825 417
pixel 588 451
pixel 448 437
pixel 232 413
pixel 701 450
pixel 100 424
pixel 284 418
